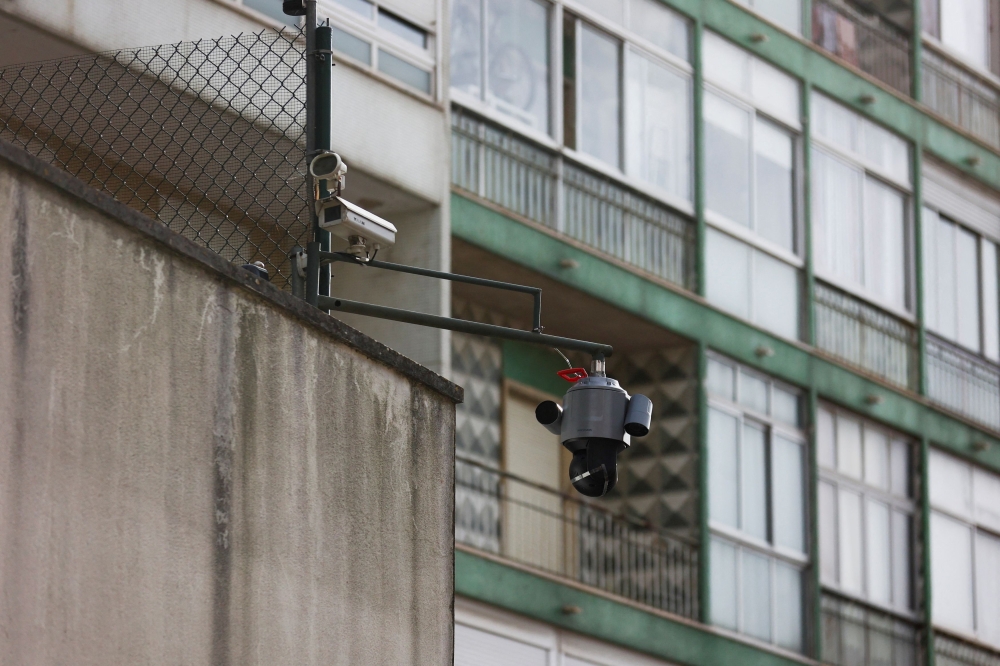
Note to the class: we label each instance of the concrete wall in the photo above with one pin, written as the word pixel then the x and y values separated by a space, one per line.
pixel 199 469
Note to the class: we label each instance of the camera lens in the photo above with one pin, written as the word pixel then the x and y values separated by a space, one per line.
pixel 594 469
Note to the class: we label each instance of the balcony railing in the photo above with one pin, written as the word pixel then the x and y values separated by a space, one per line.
pixel 866 336
pixel 957 94
pixel 497 165
pixel 963 382
pixel 950 651
pixel 542 528
pixel 856 635
pixel 868 41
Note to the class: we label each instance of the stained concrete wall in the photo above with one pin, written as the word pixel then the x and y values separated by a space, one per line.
pixel 196 468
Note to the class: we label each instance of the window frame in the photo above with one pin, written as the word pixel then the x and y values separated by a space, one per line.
pixel 908 505
pixel 736 537
pixel 858 162
pixel 380 39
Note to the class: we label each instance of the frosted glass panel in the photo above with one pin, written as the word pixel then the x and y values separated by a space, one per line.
pixel 964 28
pixel 886 150
pixel 775 92
pixel 517 85
pixel 723 480
pixel 785 406
pixel 987 498
pixel 876 458
pixel 991 299
pixel 658 127
pixel 900 468
pixel 901 594
pixel 878 548
pixel 832 122
pixel 754 486
pixel 789 503
pixel 967 289
pixel 600 112
pixel 721 378
pixel 930 222
pixel 837 220
pixel 727 274
pixel 885 243
pixel 776 295
pixel 350 45
pixel 725 64
pixel 951 571
pixel 951 484
pixel 946 322
pixel 828 533
pixel 788 610
pixel 849 460
pixel 756 584
pixel 652 21
pixel 723 584
pixel 612 9
pixel 475 647
pixel 753 392
pixel 774 218
pixel 850 547
pixel 988 588
pixel 825 439
pixel 727 159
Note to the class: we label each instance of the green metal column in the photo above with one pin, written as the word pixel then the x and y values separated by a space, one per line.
pixel 814 589
pixel 916 53
pixel 806 208
pixel 704 586
pixel 925 564
pixel 699 158
pixel 807 23
pixel 324 92
pixel 918 266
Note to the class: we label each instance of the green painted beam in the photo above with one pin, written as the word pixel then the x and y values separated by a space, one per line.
pixel 806 61
pixel 692 317
pixel 533 366
pixel 602 618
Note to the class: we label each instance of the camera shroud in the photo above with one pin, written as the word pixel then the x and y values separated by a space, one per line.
pixel 596 424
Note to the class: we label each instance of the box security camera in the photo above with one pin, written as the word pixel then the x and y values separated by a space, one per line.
pixel 365 231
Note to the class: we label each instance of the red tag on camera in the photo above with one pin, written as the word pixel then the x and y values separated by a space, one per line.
pixel 573 375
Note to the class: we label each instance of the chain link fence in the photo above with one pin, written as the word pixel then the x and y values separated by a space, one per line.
pixel 207 136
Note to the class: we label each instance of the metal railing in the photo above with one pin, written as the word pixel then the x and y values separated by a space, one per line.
pixel 208 136
pixel 499 166
pixel 950 651
pixel 963 382
pixel 540 527
pixel 959 95
pixel 866 336
pixel 866 40
pixel 856 635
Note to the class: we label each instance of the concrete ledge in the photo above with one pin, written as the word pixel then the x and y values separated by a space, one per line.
pixel 216 264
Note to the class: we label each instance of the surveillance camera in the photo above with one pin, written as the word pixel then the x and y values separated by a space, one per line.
pixel 329 166
pixel 595 426
pixel 363 230
pixel 294 7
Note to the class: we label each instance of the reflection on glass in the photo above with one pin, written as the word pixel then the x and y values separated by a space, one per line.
pixel 756 584
pixel 885 243
pixel 658 126
pixel 828 533
pixel 403 71
pixel 788 607
pixel 951 571
pixel 517 71
pixel 727 159
pixel 785 13
pixel 849 459
pixel 837 222
pixel 466 46
pixel 775 201
pixel 400 28
pixel 877 544
pixel 612 9
pixel 723 480
pixel 754 482
pixel 720 379
pixel 723 584
pixel 753 392
pixel 599 112
pixel 850 546
pixel 362 7
pixel 788 499
pixel 651 20
pixel 351 46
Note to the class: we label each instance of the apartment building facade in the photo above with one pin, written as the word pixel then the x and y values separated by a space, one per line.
pixel 783 214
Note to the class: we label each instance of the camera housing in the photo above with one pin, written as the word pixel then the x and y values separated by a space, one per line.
pixel 365 231
pixel 595 425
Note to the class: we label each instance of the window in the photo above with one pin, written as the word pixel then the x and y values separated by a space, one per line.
pixel 963 26
pixel 628 102
pixel 500 57
pixel 376 37
pixel 272 9
pixel 960 285
pixel 860 187
pixel 756 504
pixel 866 510
pixel 786 13
pixel 965 547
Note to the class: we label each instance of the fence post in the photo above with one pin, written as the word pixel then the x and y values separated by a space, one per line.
pixel 323 105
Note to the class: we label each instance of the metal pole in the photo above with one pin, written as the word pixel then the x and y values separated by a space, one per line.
pixel 461 325
pixel 323 91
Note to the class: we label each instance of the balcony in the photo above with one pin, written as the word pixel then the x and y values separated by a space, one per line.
pixel 866 337
pixel 494 164
pixel 959 95
pixel 857 634
pixel 950 651
pixel 574 539
pixel 865 40
pixel 963 382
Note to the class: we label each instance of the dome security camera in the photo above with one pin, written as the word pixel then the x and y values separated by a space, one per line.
pixel 596 424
